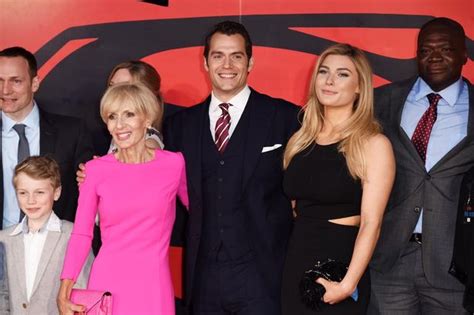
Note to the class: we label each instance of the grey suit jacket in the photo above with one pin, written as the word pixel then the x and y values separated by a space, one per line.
pixel 436 192
pixel 47 282
pixel 4 294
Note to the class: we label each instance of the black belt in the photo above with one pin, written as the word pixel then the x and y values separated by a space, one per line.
pixel 416 237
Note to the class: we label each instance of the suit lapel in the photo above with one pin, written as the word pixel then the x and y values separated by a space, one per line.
pixel 399 97
pixel 259 125
pixel 47 134
pixel 50 244
pixel 194 131
pixel 18 253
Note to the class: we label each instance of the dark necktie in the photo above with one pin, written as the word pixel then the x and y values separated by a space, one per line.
pixel 422 133
pixel 23 146
pixel 222 128
pixel 23 149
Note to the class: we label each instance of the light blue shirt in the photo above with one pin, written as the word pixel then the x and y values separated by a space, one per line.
pixel 450 126
pixel 10 139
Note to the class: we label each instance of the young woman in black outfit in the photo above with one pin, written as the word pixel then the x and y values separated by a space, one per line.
pixel 339 170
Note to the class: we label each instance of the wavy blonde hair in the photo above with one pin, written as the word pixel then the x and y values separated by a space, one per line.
pixel 355 131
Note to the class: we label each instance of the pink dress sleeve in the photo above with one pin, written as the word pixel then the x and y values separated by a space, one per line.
pixel 81 237
pixel 183 188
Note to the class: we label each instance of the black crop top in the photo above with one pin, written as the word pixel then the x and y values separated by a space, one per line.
pixel 318 179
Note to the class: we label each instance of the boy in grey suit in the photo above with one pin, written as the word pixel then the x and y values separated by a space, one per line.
pixel 4 295
pixel 36 246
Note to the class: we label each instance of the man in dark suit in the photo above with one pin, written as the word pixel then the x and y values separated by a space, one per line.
pixel 239 219
pixel 430 122
pixel 27 130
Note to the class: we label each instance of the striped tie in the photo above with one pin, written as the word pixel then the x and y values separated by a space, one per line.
pixel 222 128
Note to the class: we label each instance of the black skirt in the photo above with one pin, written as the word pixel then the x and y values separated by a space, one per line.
pixel 315 240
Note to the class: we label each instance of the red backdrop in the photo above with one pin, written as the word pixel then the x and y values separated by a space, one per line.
pixel 78 42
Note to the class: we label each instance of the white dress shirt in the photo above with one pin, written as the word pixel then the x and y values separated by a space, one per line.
pixel 236 108
pixel 10 139
pixel 34 243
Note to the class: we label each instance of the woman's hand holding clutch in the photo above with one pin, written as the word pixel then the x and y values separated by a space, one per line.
pixel 335 291
pixel 65 306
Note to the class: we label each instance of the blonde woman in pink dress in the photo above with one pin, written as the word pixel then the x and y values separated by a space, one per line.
pixel 135 190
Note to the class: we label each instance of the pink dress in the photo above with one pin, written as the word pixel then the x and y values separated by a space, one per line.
pixel 136 205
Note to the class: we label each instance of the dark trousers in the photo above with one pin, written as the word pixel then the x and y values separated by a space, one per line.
pixel 231 287
pixel 405 291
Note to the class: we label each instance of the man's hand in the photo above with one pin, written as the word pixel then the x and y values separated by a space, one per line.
pixel 81 172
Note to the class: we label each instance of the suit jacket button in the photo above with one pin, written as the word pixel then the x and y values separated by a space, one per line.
pixel 428 177
pixel 417 209
pixel 24 305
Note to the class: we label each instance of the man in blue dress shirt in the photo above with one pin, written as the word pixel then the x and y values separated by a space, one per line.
pixel 27 130
pixel 429 120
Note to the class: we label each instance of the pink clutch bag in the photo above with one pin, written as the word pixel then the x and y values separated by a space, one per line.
pixel 96 302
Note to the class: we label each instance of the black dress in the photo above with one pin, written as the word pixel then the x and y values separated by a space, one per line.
pixel 318 179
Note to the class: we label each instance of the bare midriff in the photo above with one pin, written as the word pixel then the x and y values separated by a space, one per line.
pixel 350 221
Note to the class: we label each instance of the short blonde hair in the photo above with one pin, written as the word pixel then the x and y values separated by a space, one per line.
pixel 141 98
pixel 39 167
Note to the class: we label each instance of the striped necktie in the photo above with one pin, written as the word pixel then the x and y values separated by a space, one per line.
pixel 222 128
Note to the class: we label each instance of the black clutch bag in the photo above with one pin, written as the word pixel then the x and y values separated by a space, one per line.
pixel 311 292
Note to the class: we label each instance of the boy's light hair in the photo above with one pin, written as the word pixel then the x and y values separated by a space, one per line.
pixel 39 167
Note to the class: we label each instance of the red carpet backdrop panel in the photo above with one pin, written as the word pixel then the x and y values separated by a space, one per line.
pixel 77 43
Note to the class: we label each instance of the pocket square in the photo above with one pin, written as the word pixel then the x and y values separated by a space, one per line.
pixel 271 148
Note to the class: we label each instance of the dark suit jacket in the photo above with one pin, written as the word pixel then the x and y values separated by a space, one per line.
pixel 436 192
pixel 66 140
pixel 463 254
pixel 268 211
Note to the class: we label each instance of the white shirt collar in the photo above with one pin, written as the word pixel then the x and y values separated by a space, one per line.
pixel 449 94
pixel 238 102
pixel 31 120
pixel 53 224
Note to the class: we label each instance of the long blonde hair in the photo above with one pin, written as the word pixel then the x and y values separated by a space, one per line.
pixel 355 131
